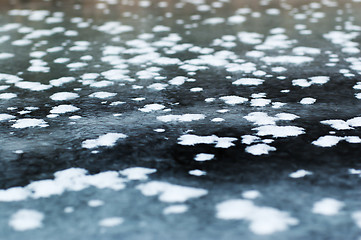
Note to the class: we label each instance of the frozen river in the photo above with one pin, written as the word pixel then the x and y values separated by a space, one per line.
pixel 187 119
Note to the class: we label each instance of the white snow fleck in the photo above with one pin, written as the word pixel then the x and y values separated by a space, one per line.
pixel 249 139
pixel 260 149
pixel 248 81
pixel 7 96
pixel 152 107
pixel 263 220
pixel 201 157
pixel 181 118
pixel 221 142
pixel 233 100
pixel 307 100
pixel 327 141
pixel 287 59
pixel 260 118
pixel 197 172
pixel 63 96
pixel 158 86
pixel 6 55
pixel 327 206
pixel 319 80
pixel 106 140
pixel 196 89
pixel 354 122
pixel 102 95
pixel 95 203
pixel 177 80
pixel 236 19
pixel 286 116
pixel 63 109
pixel 214 21
pixel 5 117
pixel 352 139
pixel 14 194
pixel 68 209
pixel 217 120
pixel 337 124
pixel 33 86
pixel 301 82
pixel 137 173
pixel 175 209
pixel 260 102
pixel 279 131
pixel 26 219
pixel 61 81
pixel 111 222
pixel 73 179
pixel 168 192
pixel 357 218
pixel 251 194
pixel 300 173
pixel 306 50
pixel 29 122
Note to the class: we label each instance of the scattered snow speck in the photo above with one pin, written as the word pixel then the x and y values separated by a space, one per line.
pixel 300 173
pixel 177 81
pixel 181 118
pixel 319 79
pixel 327 141
pixel 13 194
pixel 106 140
pixel 357 217
pixel 248 81
pixel 26 219
pixel 307 100
pixel 337 124
pixel 168 192
pixel 287 59
pixel 29 122
pixel 201 157
pixel 197 172
pixel 279 131
pixel 63 109
pixel 137 173
pixel 61 81
pixel 221 142
pixel 111 222
pixel 286 116
pixel 6 96
pixel 263 220
pixel 152 107
pixel 327 206
pixel 33 86
pixel 175 209
pixel 260 149
pixel 251 194
pixel 95 203
pixel 233 100
pixel 5 117
pixel 63 96
pixel 102 95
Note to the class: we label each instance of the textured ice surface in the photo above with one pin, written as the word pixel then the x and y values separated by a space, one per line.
pixel 107 106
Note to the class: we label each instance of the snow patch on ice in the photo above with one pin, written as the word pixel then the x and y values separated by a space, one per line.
pixel 106 140
pixel 168 192
pixel 263 220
